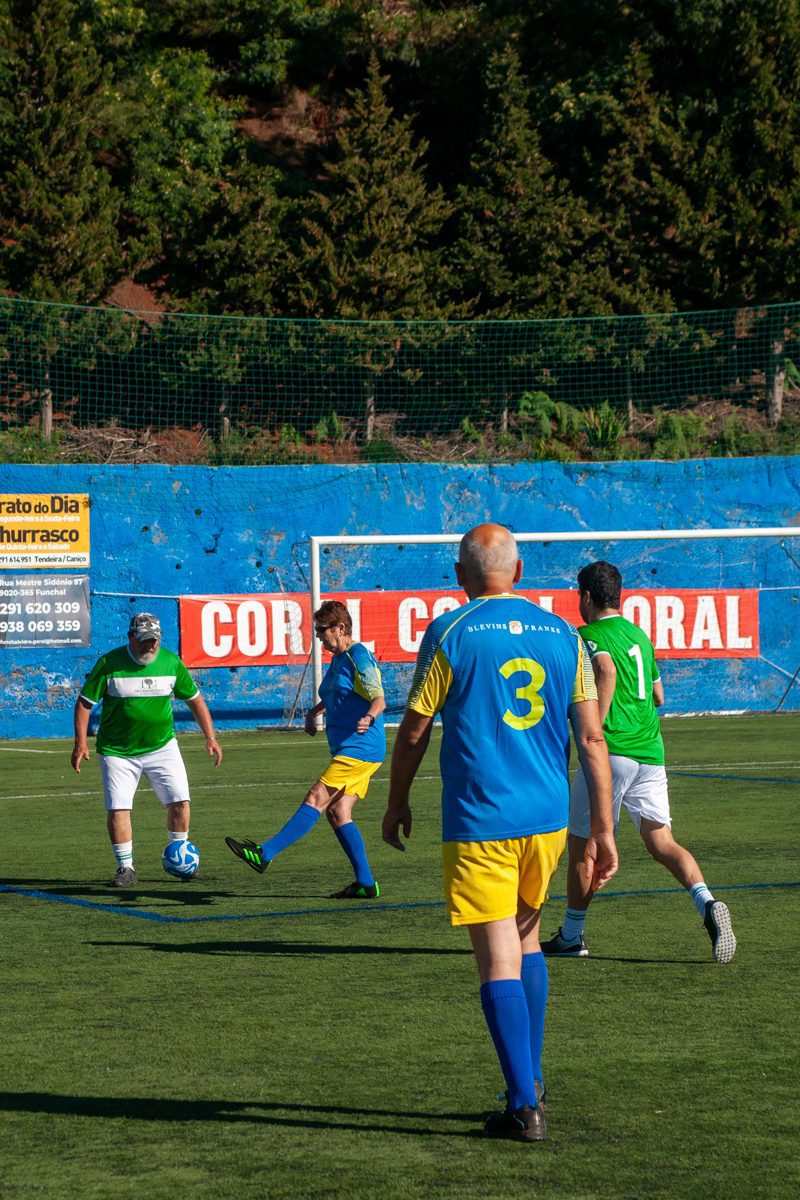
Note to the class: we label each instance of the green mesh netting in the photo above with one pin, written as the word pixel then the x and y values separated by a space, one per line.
pixel 288 391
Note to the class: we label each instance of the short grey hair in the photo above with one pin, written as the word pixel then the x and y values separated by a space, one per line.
pixel 482 557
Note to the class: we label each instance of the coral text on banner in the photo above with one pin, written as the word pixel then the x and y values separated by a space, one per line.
pixel 259 630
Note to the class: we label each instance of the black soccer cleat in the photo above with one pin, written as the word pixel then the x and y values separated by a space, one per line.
pixel 559 947
pixel 250 852
pixel 125 877
pixel 717 921
pixel 357 891
pixel 525 1125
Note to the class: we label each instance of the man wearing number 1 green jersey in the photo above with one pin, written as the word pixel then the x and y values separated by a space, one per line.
pixel 629 692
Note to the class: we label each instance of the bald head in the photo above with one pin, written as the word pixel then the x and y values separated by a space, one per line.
pixel 488 561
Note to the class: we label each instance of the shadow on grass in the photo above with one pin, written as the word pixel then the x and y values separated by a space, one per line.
pixel 192 891
pixel 263 946
pixel 304 1116
pixel 187 893
pixel 657 962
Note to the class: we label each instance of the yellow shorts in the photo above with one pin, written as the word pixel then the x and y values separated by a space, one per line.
pixel 350 773
pixel 484 880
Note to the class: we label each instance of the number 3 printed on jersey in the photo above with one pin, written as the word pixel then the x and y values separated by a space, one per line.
pixel 529 692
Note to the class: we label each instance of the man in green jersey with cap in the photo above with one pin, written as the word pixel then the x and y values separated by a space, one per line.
pixel 629 690
pixel 136 737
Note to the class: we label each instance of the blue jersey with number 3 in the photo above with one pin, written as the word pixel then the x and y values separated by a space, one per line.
pixel 503 673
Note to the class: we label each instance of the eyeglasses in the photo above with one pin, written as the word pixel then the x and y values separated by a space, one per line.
pixel 320 629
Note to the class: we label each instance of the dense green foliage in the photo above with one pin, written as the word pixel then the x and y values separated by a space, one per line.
pixel 242 1037
pixel 350 158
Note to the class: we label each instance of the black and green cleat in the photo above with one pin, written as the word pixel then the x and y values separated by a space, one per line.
pixel 248 851
pixel 357 891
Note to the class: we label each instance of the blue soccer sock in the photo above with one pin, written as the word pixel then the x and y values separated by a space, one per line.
pixel 295 828
pixel 535 984
pixel 506 1011
pixel 352 843
pixel 701 896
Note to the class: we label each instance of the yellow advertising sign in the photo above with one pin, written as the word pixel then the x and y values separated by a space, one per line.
pixel 49 530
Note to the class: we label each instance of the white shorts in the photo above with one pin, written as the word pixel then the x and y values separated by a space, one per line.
pixel 164 769
pixel 641 787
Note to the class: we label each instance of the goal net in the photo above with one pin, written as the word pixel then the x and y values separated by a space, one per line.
pixel 720 605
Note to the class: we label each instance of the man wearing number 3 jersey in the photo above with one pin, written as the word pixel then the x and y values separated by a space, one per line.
pixel 629 690
pixel 508 679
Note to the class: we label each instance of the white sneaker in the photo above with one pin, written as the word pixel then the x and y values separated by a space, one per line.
pixel 717 921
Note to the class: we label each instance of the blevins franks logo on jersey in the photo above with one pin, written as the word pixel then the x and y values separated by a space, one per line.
pixel 515 627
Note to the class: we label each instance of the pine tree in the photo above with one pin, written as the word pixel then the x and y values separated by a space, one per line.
pixel 57 208
pixel 237 263
pixel 639 185
pixel 528 246
pixel 745 121
pixel 369 236
pixel 175 134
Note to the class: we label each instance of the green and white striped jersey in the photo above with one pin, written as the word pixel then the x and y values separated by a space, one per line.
pixel 137 700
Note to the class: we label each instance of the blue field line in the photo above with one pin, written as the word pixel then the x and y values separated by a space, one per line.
pixel 120 911
pixel 735 778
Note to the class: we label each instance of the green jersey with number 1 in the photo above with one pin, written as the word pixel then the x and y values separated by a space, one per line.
pixel 631 726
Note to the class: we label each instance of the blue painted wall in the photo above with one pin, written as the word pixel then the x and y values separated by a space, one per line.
pixel 159 531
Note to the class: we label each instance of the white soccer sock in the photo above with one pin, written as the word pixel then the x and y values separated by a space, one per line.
pixel 123 852
pixel 178 837
pixel 701 896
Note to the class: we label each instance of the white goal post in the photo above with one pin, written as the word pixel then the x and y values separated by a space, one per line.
pixel 322 544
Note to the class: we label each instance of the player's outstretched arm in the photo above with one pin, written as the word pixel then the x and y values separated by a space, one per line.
pixel 199 710
pixel 377 706
pixel 600 860
pixel 310 723
pixel 409 750
pixel 80 721
pixel 605 677
pixel 600 857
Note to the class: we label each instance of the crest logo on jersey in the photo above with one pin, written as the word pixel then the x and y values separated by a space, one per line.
pixel 592 646
pixel 515 627
pixel 148 684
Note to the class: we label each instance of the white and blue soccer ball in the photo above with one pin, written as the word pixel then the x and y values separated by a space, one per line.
pixel 181 859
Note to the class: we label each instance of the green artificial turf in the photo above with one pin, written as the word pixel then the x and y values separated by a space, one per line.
pixel 259 1040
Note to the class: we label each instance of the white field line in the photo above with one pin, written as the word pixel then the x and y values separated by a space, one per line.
pixel 771 762
pixel 299 785
pixel 227 745
pixel 24 750
pixel 263 784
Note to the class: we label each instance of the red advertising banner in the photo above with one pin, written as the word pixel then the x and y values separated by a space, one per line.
pixel 276 629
